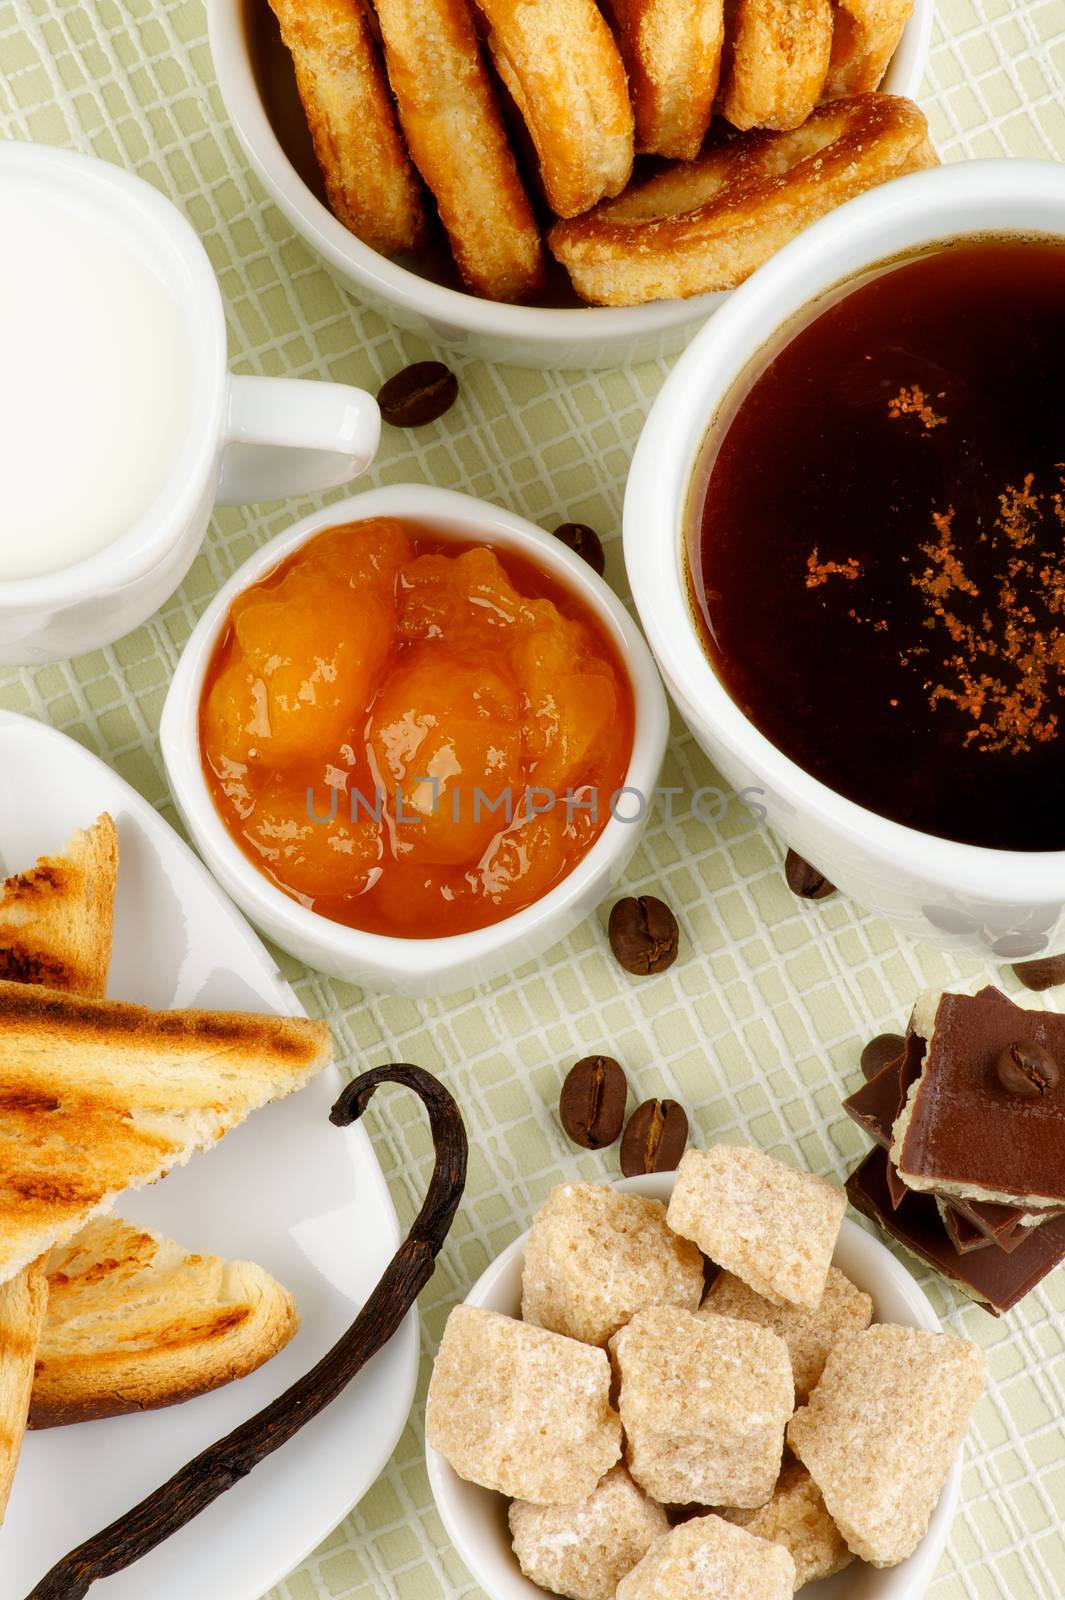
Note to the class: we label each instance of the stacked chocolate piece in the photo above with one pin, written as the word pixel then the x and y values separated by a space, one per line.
pixel 969 1126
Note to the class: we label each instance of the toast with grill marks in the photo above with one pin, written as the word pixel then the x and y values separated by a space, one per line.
pixel 135 1322
pixel 56 920
pixel 56 924
pixel 97 1097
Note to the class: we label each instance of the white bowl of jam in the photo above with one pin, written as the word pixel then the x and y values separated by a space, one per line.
pixel 415 739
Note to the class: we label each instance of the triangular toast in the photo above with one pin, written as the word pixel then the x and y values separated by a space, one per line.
pixel 135 1322
pixel 23 1300
pixel 97 1097
pixel 55 925
pixel 56 920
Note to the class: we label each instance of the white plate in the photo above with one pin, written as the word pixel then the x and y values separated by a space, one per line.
pixel 304 1199
pixel 476 1519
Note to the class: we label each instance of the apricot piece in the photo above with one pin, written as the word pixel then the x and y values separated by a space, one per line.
pixel 570 711
pixel 446 737
pixel 466 600
pixel 529 859
pixel 445 898
pixel 312 855
pixel 369 552
pixel 234 717
pixel 307 658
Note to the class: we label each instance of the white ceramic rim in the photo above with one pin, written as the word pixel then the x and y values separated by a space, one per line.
pixel 349 256
pixel 667 456
pixel 920 1565
pixel 468 518
pixel 177 249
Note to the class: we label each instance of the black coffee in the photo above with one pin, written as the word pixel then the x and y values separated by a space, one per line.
pixel 877 549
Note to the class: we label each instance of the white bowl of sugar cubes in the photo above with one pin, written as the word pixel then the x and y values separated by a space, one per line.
pixel 601 1425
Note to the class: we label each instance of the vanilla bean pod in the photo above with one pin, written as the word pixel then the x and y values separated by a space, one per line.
pixel 218 1468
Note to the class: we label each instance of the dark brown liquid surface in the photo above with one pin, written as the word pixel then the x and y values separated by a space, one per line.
pixel 878 552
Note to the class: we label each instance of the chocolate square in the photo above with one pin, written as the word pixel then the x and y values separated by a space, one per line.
pixel 965 1134
pixel 995 1278
pixel 960 1231
pixel 877 1104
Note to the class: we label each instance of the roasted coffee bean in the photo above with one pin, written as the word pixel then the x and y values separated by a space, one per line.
pixel 417 395
pixel 880 1051
pixel 1027 1070
pixel 591 1106
pixel 805 880
pixel 655 1138
pixel 644 934
pixel 1042 974
pixel 585 542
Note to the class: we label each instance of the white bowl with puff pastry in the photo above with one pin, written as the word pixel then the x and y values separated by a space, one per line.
pixel 526 336
pixel 475 1519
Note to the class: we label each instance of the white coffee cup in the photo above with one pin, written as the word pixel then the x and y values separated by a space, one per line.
pixel 1008 903
pixel 241 438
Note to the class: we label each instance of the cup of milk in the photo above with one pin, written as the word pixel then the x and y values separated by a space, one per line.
pixel 120 424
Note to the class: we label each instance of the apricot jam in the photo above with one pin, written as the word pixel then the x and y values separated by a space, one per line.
pixel 413 736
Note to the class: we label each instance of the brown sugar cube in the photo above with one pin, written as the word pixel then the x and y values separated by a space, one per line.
pixel 596 1256
pixel 809 1335
pixel 769 1224
pixel 796 1518
pixel 709 1559
pixel 704 1403
pixel 583 1551
pixel 521 1410
pixel 881 1430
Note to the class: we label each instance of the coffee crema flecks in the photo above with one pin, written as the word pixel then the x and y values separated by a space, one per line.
pixel 877 549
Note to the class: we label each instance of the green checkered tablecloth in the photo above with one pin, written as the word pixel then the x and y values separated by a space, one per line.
pixel 760 1023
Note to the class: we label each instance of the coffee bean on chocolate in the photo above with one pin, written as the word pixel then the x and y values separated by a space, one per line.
pixel 886 1047
pixel 1027 1070
pixel 591 1106
pixel 644 934
pixel 805 880
pixel 1042 974
pixel 584 542
pixel 655 1138
pixel 417 395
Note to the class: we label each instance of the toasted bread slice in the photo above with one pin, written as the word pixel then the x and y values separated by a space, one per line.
pixel 56 925
pixel 56 920
pixel 22 1309
pixel 97 1097
pixel 135 1322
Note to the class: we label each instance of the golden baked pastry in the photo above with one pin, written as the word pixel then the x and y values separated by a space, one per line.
pixel 672 53
pixel 561 65
pixel 369 181
pixel 864 39
pixel 778 57
pixel 455 132
pixel 707 224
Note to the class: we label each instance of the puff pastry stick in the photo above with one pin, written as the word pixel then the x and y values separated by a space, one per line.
pixel 561 65
pixel 707 224
pixel 672 53
pixel 369 181
pixel 779 51
pixel 454 129
pixel 865 37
